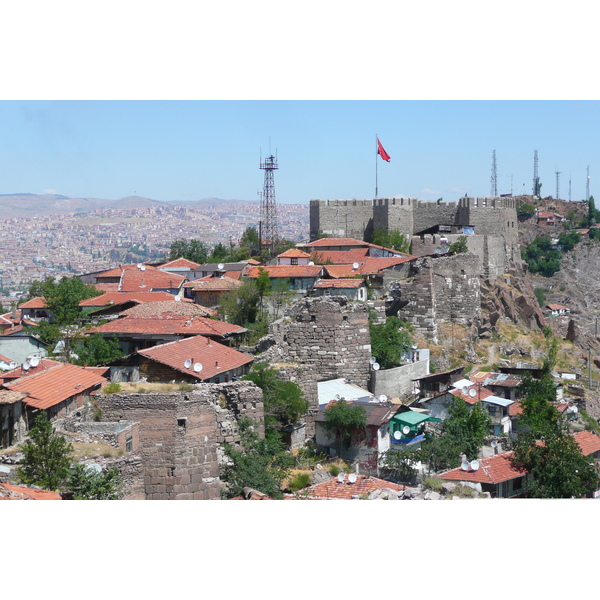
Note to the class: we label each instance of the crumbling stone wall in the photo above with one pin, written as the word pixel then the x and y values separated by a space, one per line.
pixel 179 434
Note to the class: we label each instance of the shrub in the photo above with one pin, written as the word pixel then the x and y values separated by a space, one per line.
pixel 185 386
pixel 299 481
pixel 111 388
pixel 433 483
pixel 335 470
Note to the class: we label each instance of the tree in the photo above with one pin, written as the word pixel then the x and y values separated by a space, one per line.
pixel 459 247
pixel 389 342
pixel 525 210
pixel 284 401
pixel 393 239
pixel 467 426
pixel 91 485
pixel 261 464
pixel 400 464
pixel 591 220
pixel 96 350
pixel 219 253
pixel 250 242
pixel 344 417
pixel 47 456
pixel 193 250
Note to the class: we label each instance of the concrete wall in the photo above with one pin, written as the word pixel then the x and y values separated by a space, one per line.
pixel 397 382
pixel 341 218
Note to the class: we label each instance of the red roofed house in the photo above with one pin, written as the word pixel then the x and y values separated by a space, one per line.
pixel 496 475
pixel 208 291
pixel 352 289
pixel 193 359
pixel 35 308
pixel 8 491
pixel 139 278
pixel 293 256
pixel 58 390
pixel 557 310
pixel 112 303
pixel 549 219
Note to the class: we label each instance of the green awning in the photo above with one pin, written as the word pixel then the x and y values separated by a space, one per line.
pixel 412 418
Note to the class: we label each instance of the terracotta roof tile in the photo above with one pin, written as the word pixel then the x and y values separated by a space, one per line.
pixel 168 309
pixel 340 271
pixel 180 263
pixel 215 358
pixel 8 491
pixel 137 280
pixel 293 253
pixel 482 393
pixel 50 387
pixel 340 257
pixel 494 469
pixel 17 373
pixel 174 325
pixel 336 242
pixel 37 302
pixel 588 442
pixel 339 283
pixel 332 489
pixel 121 297
pixel 221 284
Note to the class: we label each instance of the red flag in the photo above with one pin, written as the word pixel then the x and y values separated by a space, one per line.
pixel 382 152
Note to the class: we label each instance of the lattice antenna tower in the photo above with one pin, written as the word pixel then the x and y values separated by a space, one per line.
pixel 268 206
pixel 536 179
pixel 494 178
pixel 587 185
pixel 557 172
pixel 569 187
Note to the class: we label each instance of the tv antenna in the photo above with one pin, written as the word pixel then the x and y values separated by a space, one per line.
pixel 536 180
pixel 494 178
pixel 557 172
pixel 268 205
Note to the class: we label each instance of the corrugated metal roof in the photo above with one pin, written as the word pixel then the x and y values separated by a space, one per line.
pixel 327 390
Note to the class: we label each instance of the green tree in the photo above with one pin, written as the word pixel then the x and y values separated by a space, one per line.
pixel 47 456
pixel 96 350
pixel 400 464
pixel 192 249
pixel 393 239
pixel 250 242
pixel 219 253
pixel 91 485
pixel 459 247
pixel 591 220
pixel 284 401
pixel 467 426
pixel 525 210
pixel 261 464
pixel 344 418
pixel 389 342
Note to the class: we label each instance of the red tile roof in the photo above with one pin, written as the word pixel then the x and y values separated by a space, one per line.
pixel 340 257
pixel 137 280
pixel 121 297
pixel 293 253
pixel 37 302
pixel 17 373
pixel 494 469
pixel 215 358
pixel 175 325
pixel 372 265
pixel 50 387
pixel 180 263
pixel 516 410
pixel 332 489
pixel 5 359
pixel 214 284
pixel 588 442
pixel 482 393
pixel 339 283
pixel 251 261
pixel 118 271
pixel 286 271
pixel 233 274
pixel 8 491
pixel 556 307
pixel 340 271
pixel 168 309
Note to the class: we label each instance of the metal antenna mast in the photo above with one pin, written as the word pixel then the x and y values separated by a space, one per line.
pixel 268 206
pixel 536 179
pixel 587 185
pixel 557 183
pixel 569 187
pixel 494 178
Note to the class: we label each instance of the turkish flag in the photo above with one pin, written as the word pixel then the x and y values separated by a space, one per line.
pixel 382 152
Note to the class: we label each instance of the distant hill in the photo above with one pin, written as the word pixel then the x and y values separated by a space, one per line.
pixel 30 205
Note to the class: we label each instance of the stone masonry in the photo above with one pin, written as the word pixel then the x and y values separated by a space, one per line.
pixel 179 434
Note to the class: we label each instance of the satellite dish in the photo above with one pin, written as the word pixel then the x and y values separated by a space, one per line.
pixel 372 360
pixel 474 465
pixel 187 364
pixel 337 397
pixel 26 365
pixel 143 268
pixel 494 444
pixel 355 265
pixel 340 478
pixel 311 263
pixel 221 266
pixel 472 393
pixel 383 398
pixel 406 430
pixel 93 468
pixel 397 435
pixel 139 265
pixel 198 367
pixel 376 367
pixel 464 465
pixel 352 478
pixel 35 361
pixel 465 389
pixel 177 299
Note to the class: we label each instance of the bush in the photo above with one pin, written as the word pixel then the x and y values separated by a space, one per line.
pixel 111 388
pixel 184 386
pixel 334 470
pixel 433 483
pixel 299 481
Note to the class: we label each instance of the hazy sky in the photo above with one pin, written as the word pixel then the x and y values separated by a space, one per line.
pixel 188 150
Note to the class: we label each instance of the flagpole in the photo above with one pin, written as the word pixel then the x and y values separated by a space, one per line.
pixel 376 165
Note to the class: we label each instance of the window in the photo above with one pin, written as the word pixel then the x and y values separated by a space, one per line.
pixel 181 424
pixel 293 261
pixel 129 444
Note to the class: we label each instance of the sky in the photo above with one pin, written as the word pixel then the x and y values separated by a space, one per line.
pixel 173 150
